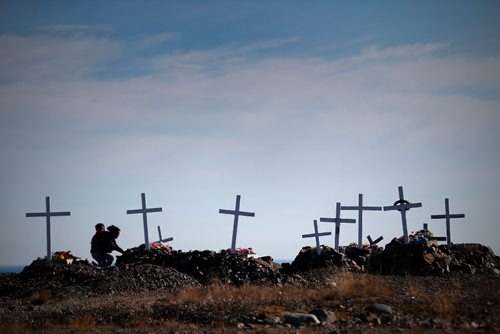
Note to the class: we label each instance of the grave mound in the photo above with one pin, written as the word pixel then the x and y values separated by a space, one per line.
pixel 430 259
pixel 85 279
pixel 208 266
pixel 140 270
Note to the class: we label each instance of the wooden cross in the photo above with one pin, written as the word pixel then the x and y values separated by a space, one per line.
pixel 236 212
pixel 402 206
pixel 316 235
pixel 426 228
pixel 360 208
pixel 47 214
pixel 163 240
pixel 144 212
pixel 448 216
pixel 337 220
pixel 376 240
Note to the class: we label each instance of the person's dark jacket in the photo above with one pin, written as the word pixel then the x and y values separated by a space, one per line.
pixel 104 242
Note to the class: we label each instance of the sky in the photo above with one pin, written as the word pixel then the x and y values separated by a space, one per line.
pixel 294 105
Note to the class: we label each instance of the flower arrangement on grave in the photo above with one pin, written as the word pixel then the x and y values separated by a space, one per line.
pixel 64 257
pixel 418 237
pixel 244 251
pixel 160 245
pixel 355 245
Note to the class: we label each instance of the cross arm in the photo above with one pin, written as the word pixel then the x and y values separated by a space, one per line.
pixel 449 216
pixel 51 214
pixel 37 214
pixel 369 208
pixel 312 235
pixel 402 206
pixel 142 211
pixel 167 239
pixel 239 213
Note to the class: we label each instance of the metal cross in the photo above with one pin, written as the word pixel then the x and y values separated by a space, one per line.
pixel 402 206
pixel 236 212
pixel 48 214
pixel 360 208
pixel 337 220
pixel 316 235
pixel 163 240
pixel 144 212
pixel 448 216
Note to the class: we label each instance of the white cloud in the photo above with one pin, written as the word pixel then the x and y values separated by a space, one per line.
pixel 294 130
pixel 412 50
pixel 75 28
pixel 158 39
pixel 43 58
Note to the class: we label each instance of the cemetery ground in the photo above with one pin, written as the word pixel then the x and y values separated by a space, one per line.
pixel 165 291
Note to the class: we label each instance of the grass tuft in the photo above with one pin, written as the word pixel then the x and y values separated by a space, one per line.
pixel 40 297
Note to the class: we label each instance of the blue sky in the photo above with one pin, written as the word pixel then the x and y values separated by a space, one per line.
pixel 294 105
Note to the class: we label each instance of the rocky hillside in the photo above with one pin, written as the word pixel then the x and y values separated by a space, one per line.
pixel 417 286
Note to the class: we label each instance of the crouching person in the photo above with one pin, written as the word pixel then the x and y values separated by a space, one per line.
pixel 103 243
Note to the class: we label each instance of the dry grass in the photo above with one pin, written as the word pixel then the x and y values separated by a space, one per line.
pixel 356 286
pixel 40 297
pixel 265 298
pixel 220 307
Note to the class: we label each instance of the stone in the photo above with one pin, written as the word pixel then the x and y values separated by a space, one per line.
pixel 308 259
pixel 429 258
pixel 299 319
pixel 323 315
pixel 380 308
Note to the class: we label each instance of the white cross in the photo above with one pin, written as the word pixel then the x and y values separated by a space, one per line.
pixel 144 212
pixel 236 214
pixel 337 220
pixel 163 240
pixel 448 216
pixel 360 208
pixel 316 235
pixel 403 205
pixel 48 214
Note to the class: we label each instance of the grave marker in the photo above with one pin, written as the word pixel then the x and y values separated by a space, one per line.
pixel 144 212
pixel 337 220
pixel 360 208
pixel 236 212
pixel 448 216
pixel 402 206
pixel 47 214
pixel 426 228
pixel 316 235
pixel 161 239
pixel 376 240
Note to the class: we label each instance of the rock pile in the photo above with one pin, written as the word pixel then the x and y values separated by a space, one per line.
pixel 207 266
pixel 472 258
pixel 308 259
pixel 139 270
pixel 413 259
pixel 424 258
pixel 85 279
pixel 430 259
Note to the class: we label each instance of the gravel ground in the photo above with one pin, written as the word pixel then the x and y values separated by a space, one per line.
pixel 167 291
pixel 343 302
